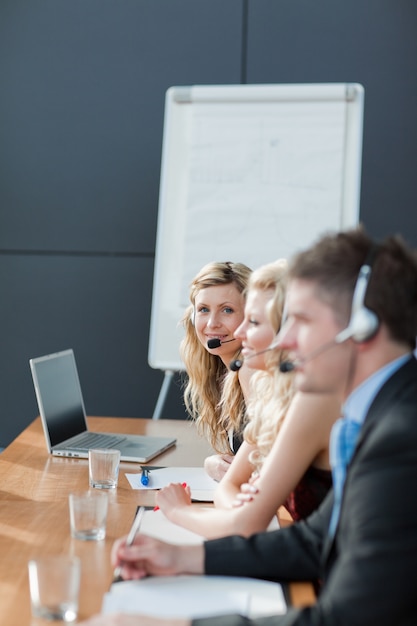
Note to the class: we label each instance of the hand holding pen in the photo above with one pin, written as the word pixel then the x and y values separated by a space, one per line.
pixel 130 539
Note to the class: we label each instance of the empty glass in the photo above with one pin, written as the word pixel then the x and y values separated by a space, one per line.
pixel 54 584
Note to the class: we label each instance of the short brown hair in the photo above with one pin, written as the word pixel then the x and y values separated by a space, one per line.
pixel 333 263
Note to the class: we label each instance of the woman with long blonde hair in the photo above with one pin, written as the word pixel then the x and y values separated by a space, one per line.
pixel 284 458
pixel 217 297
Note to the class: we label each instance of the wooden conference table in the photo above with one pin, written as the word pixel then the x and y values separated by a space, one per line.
pixel 34 511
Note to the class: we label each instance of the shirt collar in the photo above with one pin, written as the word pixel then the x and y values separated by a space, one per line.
pixel 357 404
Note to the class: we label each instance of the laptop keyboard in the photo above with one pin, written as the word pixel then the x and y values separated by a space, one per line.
pixel 95 440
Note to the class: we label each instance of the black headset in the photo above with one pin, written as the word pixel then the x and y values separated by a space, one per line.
pixel 363 323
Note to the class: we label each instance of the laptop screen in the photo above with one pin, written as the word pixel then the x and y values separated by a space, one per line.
pixel 59 395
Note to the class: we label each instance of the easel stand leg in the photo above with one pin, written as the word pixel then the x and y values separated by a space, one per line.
pixel 162 394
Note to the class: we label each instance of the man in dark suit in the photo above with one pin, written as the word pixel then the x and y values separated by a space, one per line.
pixel 351 328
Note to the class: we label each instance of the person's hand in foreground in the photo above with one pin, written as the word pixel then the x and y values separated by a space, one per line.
pixel 151 557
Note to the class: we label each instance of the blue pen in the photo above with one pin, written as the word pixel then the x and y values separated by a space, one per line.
pixel 144 479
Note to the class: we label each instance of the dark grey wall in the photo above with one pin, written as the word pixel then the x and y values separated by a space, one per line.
pixel 373 42
pixel 82 86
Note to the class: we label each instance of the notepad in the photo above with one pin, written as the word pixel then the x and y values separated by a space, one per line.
pixel 195 597
pixel 201 485
pixel 155 524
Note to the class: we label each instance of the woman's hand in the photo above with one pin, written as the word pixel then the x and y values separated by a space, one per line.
pixel 217 465
pixel 247 491
pixel 173 497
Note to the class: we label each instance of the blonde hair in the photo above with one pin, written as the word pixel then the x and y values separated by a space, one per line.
pixel 271 390
pixel 214 409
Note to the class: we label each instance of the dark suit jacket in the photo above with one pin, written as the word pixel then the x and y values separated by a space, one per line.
pixel 370 568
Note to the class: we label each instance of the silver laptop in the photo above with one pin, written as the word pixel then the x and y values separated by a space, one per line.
pixel 62 411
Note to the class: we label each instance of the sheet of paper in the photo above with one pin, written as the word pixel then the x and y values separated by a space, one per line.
pixel 279 165
pixel 155 524
pixel 202 495
pixel 195 596
pixel 196 477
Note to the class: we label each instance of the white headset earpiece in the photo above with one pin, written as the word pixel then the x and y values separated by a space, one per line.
pixel 363 323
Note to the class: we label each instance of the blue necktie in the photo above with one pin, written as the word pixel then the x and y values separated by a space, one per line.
pixel 343 440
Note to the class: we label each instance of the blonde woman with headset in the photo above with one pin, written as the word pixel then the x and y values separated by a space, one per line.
pixel 284 458
pixel 217 296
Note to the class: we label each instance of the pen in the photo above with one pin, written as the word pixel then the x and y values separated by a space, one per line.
pixel 144 477
pixel 130 539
